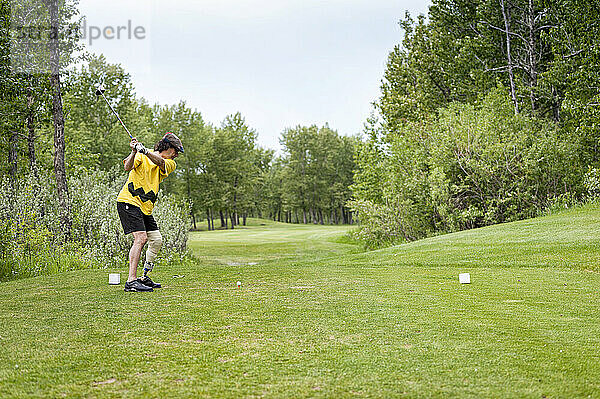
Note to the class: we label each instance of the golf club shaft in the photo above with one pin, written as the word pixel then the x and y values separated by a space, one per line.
pixel 117 115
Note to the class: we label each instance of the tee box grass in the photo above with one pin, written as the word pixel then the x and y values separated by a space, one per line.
pixel 318 317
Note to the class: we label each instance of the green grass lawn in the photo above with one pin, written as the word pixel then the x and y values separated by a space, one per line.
pixel 316 317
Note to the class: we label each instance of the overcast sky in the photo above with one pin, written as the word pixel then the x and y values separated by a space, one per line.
pixel 279 62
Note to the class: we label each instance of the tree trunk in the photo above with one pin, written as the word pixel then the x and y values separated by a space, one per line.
pixel 31 132
pixel 227 217
pixel 234 220
pixel 208 219
pixel 304 215
pixel 531 47
pixel 321 216
pixel 59 123
pixel 513 93
pixel 13 160
pixel 244 218
pixel 223 220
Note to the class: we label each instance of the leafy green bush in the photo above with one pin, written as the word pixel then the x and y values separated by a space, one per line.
pixel 591 180
pixel 382 225
pixel 470 166
pixel 28 250
pixel 31 242
pixel 499 166
pixel 173 218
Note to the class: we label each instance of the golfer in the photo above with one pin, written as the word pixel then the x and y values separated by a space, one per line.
pixel 136 200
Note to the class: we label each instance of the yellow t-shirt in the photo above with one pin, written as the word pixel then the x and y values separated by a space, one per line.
pixel 141 189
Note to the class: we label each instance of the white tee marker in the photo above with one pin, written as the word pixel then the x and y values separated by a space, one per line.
pixel 464 278
pixel 114 278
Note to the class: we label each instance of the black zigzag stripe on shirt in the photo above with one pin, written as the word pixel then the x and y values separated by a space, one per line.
pixel 144 196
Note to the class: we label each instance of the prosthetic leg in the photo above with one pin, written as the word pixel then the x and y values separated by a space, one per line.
pixel 154 244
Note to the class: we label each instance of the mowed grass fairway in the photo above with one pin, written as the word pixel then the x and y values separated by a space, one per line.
pixel 316 317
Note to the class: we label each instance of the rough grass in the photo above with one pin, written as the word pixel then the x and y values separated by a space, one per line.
pixel 316 318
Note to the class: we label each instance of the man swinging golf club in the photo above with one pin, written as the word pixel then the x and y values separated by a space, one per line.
pixel 136 200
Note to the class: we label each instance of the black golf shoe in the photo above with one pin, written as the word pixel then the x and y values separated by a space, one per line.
pixel 149 283
pixel 137 286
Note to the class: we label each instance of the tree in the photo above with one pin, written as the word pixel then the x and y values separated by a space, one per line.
pixel 573 78
pixel 24 95
pixel 295 143
pixel 30 61
pixel 59 120
pixel 317 171
pixel 241 167
pixel 229 167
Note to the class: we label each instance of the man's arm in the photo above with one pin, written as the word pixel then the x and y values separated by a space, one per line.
pixel 157 160
pixel 129 161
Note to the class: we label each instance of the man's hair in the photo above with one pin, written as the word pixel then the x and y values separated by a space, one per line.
pixel 169 140
pixel 164 145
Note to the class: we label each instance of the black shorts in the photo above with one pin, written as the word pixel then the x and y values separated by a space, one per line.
pixel 133 219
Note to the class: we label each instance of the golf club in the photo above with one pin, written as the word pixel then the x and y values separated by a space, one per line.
pixel 100 92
